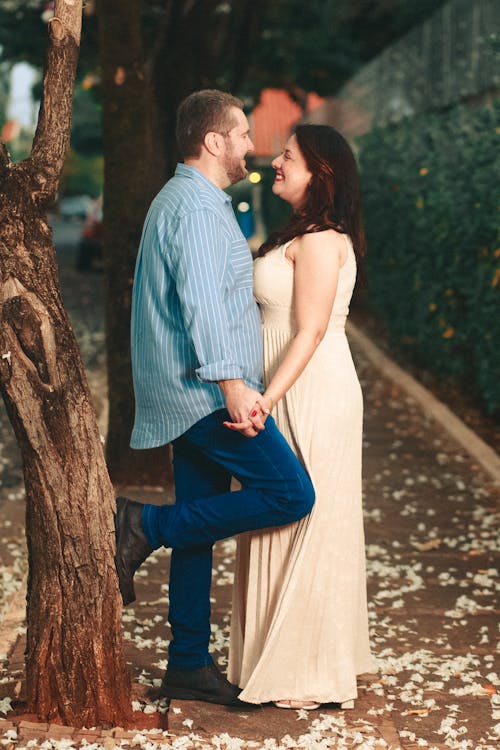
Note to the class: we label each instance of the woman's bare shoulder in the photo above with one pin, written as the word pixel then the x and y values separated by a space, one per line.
pixel 324 240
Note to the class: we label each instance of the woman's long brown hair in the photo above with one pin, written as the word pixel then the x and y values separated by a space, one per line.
pixel 333 197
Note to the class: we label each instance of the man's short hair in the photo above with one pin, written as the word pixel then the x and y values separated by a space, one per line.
pixel 206 111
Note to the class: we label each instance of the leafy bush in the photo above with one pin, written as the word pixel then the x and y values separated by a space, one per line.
pixel 431 208
pixel 82 175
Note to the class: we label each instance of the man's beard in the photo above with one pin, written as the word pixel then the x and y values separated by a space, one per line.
pixel 234 169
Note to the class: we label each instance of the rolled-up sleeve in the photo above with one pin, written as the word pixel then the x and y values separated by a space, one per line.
pixel 202 264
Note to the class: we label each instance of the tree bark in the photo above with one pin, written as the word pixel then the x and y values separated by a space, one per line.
pixel 75 670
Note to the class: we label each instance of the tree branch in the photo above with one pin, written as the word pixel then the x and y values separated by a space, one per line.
pixel 52 136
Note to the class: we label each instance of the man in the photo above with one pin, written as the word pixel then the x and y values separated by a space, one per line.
pixel 197 359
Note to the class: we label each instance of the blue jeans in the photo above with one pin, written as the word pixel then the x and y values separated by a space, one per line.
pixel 276 491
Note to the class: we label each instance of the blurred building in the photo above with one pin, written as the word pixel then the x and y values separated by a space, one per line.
pixel 272 120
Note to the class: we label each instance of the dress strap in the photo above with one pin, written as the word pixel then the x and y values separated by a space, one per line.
pixel 350 250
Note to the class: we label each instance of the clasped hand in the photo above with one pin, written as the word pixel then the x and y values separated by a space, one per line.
pixel 248 410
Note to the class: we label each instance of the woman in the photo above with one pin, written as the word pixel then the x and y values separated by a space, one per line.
pixel 299 632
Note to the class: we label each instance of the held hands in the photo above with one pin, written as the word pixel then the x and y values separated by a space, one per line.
pixel 247 408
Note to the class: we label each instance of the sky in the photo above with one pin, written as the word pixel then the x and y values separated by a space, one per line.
pixel 21 106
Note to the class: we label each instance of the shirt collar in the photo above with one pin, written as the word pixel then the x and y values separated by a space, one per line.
pixel 186 170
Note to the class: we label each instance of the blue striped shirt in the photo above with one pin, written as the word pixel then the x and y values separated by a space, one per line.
pixel 194 317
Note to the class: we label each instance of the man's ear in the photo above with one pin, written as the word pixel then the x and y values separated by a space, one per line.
pixel 213 143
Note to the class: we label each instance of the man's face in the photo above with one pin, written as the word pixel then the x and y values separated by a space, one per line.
pixel 237 144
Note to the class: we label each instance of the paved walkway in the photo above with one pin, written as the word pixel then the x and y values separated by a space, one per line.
pixel 432 557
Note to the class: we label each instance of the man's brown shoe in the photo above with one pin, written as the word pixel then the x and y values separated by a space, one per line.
pixel 132 547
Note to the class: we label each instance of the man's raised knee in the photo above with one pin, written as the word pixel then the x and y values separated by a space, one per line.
pixel 302 496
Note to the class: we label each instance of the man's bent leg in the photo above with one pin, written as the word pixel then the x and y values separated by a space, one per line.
pixel 276 488
pixel 277 491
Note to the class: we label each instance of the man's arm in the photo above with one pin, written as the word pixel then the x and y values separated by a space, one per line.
pixel 201 258
pixel 201 267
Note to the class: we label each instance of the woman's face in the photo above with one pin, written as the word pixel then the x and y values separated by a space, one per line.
pixel 292 175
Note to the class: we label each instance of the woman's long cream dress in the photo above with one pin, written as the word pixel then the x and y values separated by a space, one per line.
pixel 299 625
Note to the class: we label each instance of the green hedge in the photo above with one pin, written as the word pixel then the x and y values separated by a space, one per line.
pixel 431 206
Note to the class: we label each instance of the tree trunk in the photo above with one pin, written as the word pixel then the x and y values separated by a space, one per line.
pixel 75 670
pixel 133 174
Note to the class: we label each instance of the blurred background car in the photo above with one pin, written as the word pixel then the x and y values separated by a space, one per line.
pixel 75 207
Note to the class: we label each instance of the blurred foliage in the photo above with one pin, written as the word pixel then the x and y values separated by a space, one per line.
pixel 431 206
pixel 314 46
pixel 24 35
pixel 82 175
pixel 318 46
pixel 4 91
pixel 86 131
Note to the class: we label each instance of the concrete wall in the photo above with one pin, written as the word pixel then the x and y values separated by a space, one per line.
pixel 452 57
